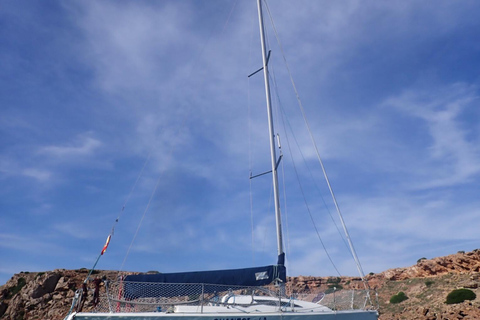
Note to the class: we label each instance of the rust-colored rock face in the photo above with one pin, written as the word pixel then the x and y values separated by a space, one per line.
pixel 456 263
pixel 48 295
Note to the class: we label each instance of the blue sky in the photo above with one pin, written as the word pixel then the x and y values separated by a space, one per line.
pixel 92 92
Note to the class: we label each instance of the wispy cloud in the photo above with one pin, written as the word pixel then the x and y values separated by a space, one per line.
pixel 124 42
pixel 453 154
pixel 26 243
pixel 390 90
pixel 42 164
pixel 10 167
pixel 38 174
pixel 74 229
pixel 83 146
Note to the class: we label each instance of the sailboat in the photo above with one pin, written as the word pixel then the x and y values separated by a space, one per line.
pixel 258 293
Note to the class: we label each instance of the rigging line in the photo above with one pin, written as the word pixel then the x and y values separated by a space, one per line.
pixel 143 216
pixel 252 222
pixel 306 164
pixel 229 15
pixel 278 106
pixel 309 211
pixel 250 165
pixel 352 248
pixel 285 210
pixel 271 75
pixel 249 120
pixel 194 63
pixel 271 200
pixel 270 205
pixel 131 191
pixel 112 231
pixel 301 188
pixel 314 182
pixel 283 113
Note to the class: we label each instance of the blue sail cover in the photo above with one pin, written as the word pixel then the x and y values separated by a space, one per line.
pixel 257 276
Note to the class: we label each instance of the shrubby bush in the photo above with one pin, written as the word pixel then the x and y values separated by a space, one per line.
pixel 428 283
pixel 399 297
pixel 334 280
pixel 460 295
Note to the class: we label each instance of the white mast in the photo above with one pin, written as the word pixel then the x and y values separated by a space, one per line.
pixel 278 218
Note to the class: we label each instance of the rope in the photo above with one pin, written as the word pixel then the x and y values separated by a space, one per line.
pixel 273 79
pixel 285 209
pixel 352 248
pixel 112 231
pixel 144 213
pixel 308 207
pixel 314 182
pixel 250 160
pixel 170 153
pixel 276 118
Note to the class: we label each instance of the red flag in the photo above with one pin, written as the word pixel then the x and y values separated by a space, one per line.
pixel 106 244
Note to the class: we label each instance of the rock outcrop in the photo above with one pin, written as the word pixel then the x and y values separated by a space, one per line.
pixel 43 295
pixel 456 263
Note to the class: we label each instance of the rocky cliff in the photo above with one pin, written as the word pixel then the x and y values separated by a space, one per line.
pixel 461 263
pixel 427 285
pixel 43 295
pixel 48 295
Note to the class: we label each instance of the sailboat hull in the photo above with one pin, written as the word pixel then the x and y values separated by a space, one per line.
pixel 327 315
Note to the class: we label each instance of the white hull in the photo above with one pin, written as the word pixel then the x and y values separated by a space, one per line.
pixel 233 307
pixel 326 315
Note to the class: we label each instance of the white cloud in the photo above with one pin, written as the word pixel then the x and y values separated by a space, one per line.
pixel 84 146
pixel 26 243
pixel 38 174
pixel 166 77
pixel 453 154
pixel 11 167
pixel 75 229
pixel 125 43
